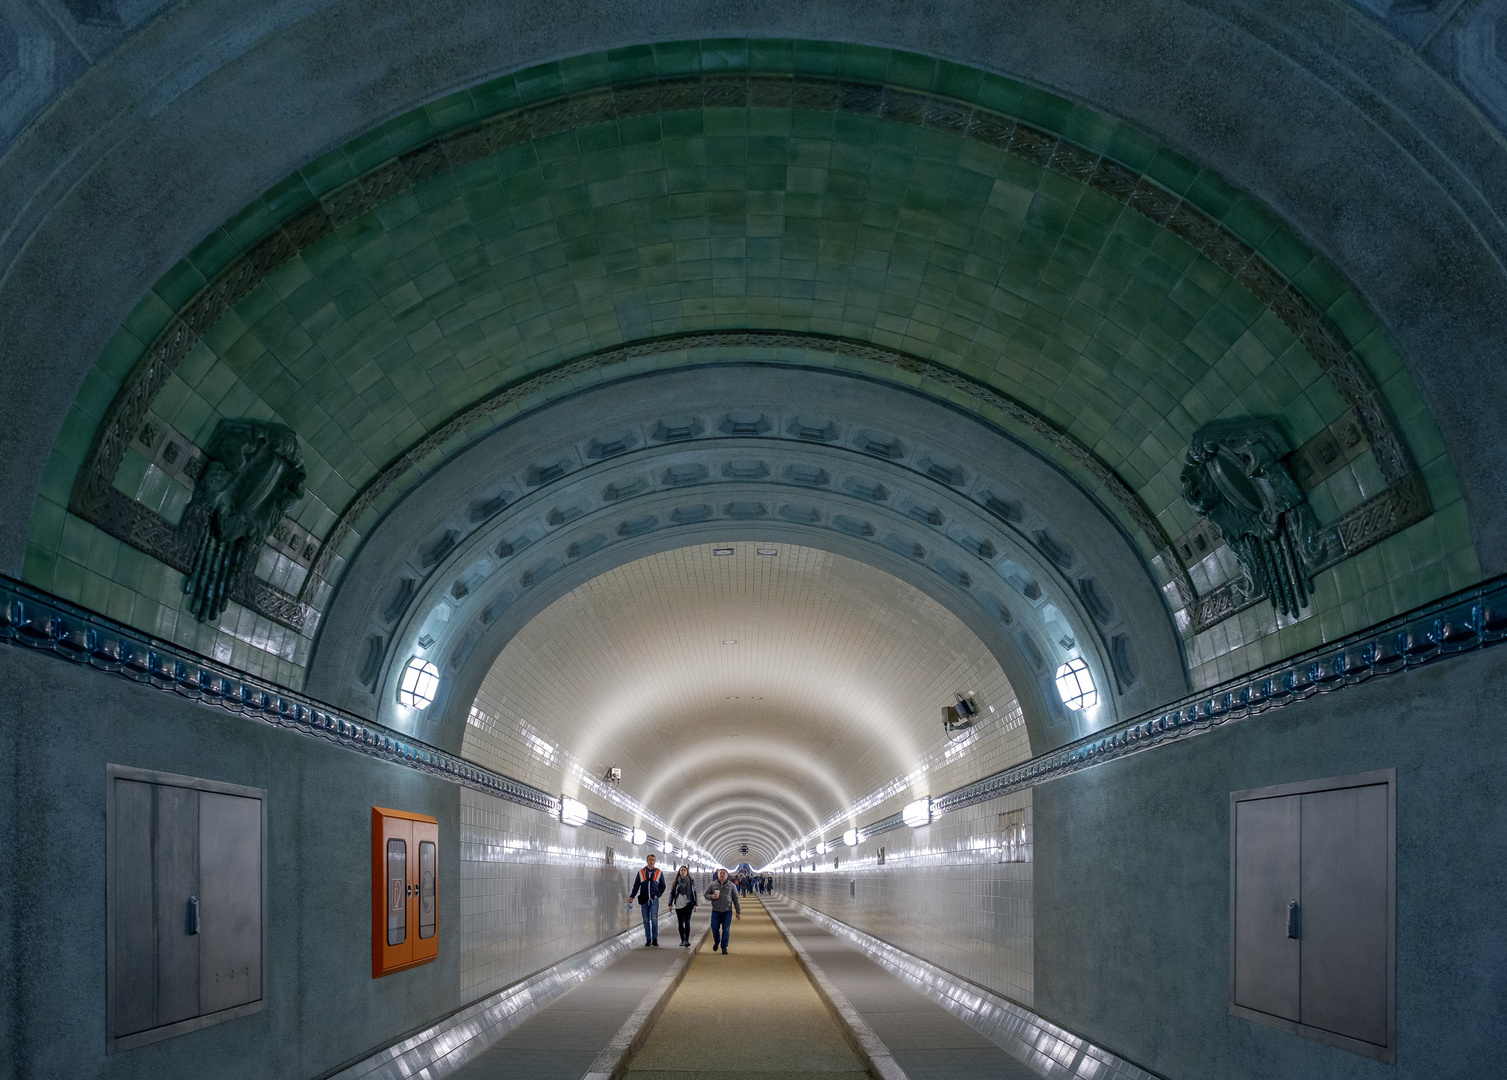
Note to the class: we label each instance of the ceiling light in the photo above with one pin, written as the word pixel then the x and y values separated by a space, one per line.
pixel 768 551
pixel 722 551
pixel 1075 685
pixel 756 697
pixel 732 697
pixel 572 811
pixel 917 813
pixel 639 836
pixel 729 641
pixel 850 838
pixel 420 681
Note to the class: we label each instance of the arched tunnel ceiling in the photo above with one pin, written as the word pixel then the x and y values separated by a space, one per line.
pixel 1113 296
pixel 832 690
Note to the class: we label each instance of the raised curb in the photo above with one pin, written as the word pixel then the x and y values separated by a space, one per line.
pixel 612 1062
pixel 869 1047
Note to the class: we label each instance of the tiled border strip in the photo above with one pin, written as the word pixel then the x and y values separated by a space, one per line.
pixel 1043 1047
pixel 439 1050
pixel 1468 620
pixel 1471 619
pixel 871 1049
pixel 1464 622
pixel 612 1062
pixel 1316 333
pixel 37 620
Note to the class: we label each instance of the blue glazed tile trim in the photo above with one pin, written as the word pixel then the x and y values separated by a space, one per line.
pixel 1464 622
pixel 33 619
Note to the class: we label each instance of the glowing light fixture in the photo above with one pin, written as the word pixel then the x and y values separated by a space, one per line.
pixel 917 813
pixel 850 838
pixel 420 680
pixel 730 641
pixel 639 836
pixel 572 811
pixel 722 551
pixel 821 849
pixel 1075 683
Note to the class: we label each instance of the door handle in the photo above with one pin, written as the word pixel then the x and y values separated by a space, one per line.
pixel 1294 924
pixel 193 914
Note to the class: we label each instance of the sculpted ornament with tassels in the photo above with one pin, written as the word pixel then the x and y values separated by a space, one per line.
pixel 254 474
pixel 1234 476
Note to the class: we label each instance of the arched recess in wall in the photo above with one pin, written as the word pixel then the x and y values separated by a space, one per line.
pixel 1006 541
pixel 1086 293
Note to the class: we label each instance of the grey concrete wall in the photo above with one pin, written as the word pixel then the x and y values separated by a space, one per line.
pixel 943 894
pixel 60 726
pixel 1132 882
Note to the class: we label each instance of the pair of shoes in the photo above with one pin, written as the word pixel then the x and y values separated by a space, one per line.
pixel 655 943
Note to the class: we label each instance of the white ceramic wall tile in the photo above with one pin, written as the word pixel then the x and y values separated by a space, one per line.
pixel 945 893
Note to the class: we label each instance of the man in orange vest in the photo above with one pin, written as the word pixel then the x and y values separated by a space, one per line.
pixel 648 886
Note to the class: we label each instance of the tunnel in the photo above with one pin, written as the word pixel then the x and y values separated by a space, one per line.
pixel 802 540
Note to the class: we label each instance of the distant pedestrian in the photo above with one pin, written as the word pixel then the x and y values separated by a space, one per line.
pixel 648 887
pixel 723 896
pixel 683 900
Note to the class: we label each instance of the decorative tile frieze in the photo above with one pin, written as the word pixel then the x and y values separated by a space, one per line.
pixel 1468 620
pixel 32 619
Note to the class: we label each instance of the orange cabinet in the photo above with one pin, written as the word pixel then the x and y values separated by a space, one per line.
pixel 405 890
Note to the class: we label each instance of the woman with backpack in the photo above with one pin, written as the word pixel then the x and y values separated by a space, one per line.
pixel 683 900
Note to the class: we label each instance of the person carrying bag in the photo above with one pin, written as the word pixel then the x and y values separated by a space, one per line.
pixel 683 900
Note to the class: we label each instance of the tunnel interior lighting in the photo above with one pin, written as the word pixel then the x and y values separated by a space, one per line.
pixel 1075 684
pixel 850 838
pixel 420 680
pixel 639 836
pixel 572 811
pixel 722 551
pixel 768 551
pixel 917 813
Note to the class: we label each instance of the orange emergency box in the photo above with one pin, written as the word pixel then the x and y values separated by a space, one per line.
pixel 405 890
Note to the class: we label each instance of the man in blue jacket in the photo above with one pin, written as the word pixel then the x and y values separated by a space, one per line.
pixel 648 887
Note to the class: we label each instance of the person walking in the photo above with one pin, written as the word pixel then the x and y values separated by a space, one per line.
pixel 648 887
pixel 723 896
pixel 683 900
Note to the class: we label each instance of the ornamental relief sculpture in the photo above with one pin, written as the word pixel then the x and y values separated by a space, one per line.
pixel 1234 476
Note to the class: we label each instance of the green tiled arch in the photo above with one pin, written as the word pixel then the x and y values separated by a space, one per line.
pixel 1116 330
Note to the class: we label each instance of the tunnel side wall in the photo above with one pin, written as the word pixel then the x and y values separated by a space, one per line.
pixel 513 899
pixel 943 894
pixel 1132 881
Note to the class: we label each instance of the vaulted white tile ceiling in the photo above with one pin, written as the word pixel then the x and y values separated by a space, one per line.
pixel 748 698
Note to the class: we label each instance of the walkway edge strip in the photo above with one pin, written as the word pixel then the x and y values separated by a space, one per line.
pixel 446 1045
pixel 1037 1043
pixel 869 1047
pixel 612 1062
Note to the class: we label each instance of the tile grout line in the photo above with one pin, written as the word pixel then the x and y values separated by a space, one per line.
pixel 612 1062
pixel 869 1047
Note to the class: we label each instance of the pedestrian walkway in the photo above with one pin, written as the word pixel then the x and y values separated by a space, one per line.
pixel 561 1041
pixel 926 1040
pixel 752 1013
